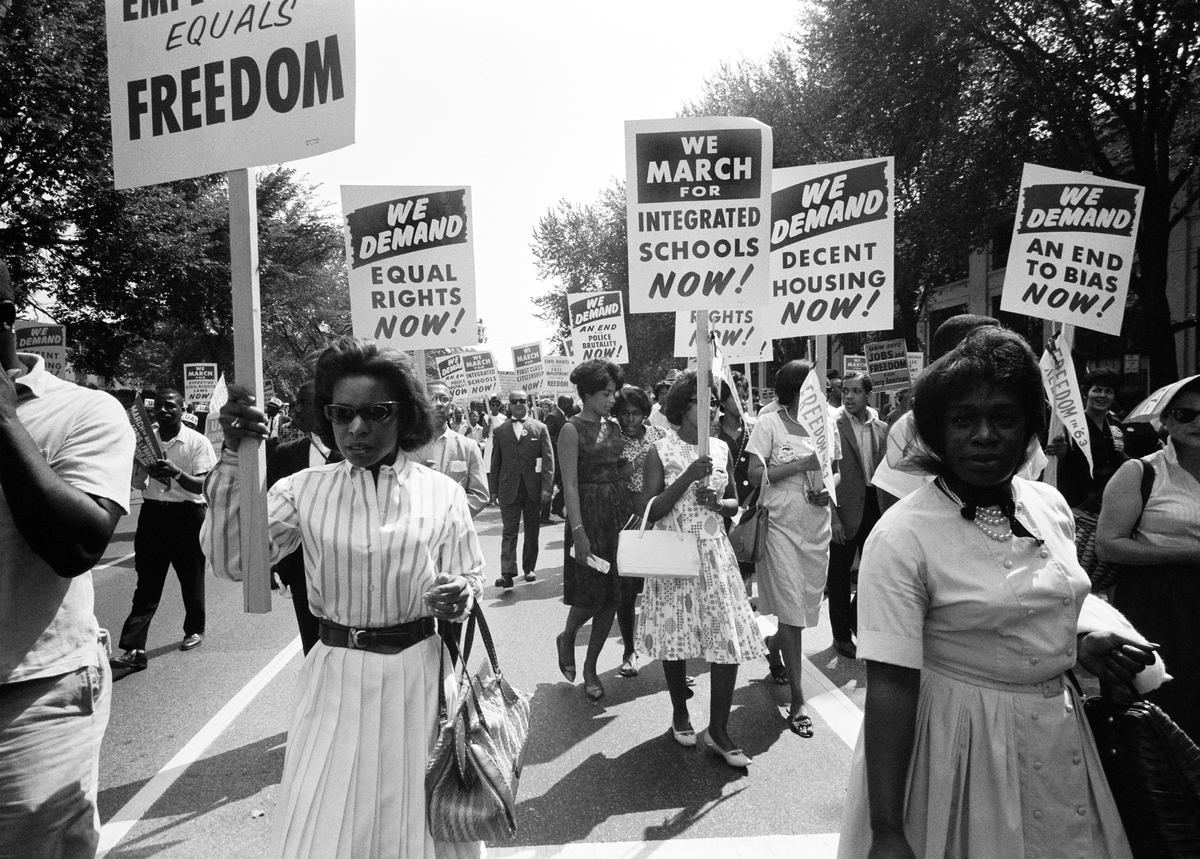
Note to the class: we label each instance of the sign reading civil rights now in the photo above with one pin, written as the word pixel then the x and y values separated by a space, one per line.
pixel 598 326
pixel 833 248
pixel 197 87
pixel 741 335
pixel 1072 248
pixel 410 254
pixel 698 202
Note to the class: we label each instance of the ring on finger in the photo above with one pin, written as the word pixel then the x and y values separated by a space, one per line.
pixel 236 423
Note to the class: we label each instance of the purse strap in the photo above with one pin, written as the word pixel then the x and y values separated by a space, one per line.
pixel 670 515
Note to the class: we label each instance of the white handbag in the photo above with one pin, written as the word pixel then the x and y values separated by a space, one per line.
pixel 666 554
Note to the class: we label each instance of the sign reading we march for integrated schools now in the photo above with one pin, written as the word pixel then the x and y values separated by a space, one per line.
pixel 698 201
pixel 832 248
pixel 598 326
pixel 201 87
pixel 1072 248
pixel 410 254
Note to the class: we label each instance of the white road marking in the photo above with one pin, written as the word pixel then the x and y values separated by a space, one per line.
pixel 112 564
pixel 125 819
pixel 822 846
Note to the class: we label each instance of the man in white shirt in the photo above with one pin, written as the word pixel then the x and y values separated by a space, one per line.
pixel 452 453
pixel 168 531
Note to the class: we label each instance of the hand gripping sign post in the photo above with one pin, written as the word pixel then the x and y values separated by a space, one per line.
pixel 195 90
pixel 598 326
pixel 698 209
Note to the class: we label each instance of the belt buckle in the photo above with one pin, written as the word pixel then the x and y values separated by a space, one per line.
pixel 352 639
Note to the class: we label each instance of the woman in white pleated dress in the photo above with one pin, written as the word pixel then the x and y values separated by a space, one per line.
pixel 389 546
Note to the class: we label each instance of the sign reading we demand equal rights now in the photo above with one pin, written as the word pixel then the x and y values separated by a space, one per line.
pixel 698 210
pixel 1072 248
pixel 412 265
pixel 202 87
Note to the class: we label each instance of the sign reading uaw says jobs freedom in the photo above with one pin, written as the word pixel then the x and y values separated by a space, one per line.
pixel 832 248
pixel 1072 248
pixel 410 255
pixel 200 86
pixel 698 202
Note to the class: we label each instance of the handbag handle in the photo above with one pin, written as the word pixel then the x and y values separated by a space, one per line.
pixel 476 619
pixel 646 519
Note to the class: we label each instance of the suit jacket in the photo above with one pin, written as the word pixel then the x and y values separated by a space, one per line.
pixel 460 460
pixel 554 423
pixel 515 460
pixel 852 487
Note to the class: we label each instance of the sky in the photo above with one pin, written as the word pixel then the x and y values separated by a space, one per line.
pixel 526 103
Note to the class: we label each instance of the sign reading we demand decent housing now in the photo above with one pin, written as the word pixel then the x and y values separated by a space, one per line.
pixel 1072 248
pixel 200 87
pixel 412 267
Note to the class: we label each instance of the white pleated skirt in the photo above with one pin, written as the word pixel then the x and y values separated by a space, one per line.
pixel 354 775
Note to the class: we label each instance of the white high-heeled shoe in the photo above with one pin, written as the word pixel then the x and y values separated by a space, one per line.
pixel 733 757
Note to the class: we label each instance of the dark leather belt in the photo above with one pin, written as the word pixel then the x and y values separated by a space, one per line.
pixel 154 502
pixel 390 639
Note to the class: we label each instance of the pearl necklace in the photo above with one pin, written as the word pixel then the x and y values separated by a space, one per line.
pixel 987 519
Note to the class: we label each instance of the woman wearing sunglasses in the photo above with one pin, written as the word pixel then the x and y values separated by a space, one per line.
pixel 1160 589
pixel 390 547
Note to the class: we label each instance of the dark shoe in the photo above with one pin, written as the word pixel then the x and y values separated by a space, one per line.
pixel 629 666
pixel 130 660
pixel 530 577
pixel 567 668
pixel 547 521
pixel 594 690
pixel 504 582
pixel 191 642
pixel 800 725
pixel 846 649
pixel 779 674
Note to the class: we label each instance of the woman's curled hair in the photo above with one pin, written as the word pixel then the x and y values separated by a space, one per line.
pixel 594 375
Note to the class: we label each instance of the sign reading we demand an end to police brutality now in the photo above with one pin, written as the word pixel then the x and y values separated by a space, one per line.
pixel 412 265
pixel 832 248
pixel 1072 248
pixel 598 326
pixel 200 86
pixel 698 201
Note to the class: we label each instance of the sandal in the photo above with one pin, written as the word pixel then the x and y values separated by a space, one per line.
pixel 800 725
pixel 629 666
pixel 779 674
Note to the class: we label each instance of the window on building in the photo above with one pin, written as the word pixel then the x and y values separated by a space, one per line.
pixel 1027 326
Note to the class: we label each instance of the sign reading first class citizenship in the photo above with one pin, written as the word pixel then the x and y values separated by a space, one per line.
pixel 698 202
pixel 199 86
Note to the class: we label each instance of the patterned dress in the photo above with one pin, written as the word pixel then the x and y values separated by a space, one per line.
pixel 635 451
pixel 707 617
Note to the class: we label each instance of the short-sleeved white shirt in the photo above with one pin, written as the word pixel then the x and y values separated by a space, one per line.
pixel 193 453
pixel 47 624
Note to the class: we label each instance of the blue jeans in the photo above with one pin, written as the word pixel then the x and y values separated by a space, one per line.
pixel 50 734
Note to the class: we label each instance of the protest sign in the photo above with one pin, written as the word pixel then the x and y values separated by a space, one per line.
pixel 740 334
pixel 916 363
pixel 1062 389
pixel 410 255
pixel 506 383
pixel 598 326
pixel 147 450
pixel 832 248
pixel 813 414
pixel 479 373
pixel 195 90
pixel 887 362
pixel 557 379
pixel 212 425
pixel 44 339
pixel 1072 248
pixel 854 364
pixel 527 362
pixel 450 371
pixel 698 199
pixel 199 381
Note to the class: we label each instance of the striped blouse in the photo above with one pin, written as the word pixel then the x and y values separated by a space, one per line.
pixel 372 550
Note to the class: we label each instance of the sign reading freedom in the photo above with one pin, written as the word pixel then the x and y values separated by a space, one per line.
pixel 196 88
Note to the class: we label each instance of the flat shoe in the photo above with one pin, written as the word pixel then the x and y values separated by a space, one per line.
pixel 846 649
pixel 629 667
pixel 594 690
pixel 192 641
pixel 779 674
pixel 130 660
pixel 685 738
pixel 568 670
pixel 734 757
pixel 530 577
pixel 800 725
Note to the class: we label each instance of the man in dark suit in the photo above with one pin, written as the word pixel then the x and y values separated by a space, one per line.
pixel 554 422
pixel 864 443
pixel 523 473
pixel 288 458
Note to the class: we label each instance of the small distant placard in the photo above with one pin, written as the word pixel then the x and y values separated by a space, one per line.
pixel 887 362
pixel 47 340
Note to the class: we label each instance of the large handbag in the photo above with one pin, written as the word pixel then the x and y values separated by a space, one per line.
pixel 1153 770
pixel 1103 573
pixel 474 769
pixel 668 554
pixel 749 535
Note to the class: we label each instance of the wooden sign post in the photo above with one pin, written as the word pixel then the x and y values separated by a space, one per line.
pixel 703 382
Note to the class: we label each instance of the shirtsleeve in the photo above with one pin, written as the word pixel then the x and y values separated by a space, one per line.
pixel 893 598
pixel 221 534
pixel 762 440
pixel 460 554
pixel 95 455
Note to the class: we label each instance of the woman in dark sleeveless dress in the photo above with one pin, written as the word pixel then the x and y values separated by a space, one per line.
pixel 597 507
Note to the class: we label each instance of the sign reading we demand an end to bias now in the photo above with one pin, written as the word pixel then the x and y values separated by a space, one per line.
pixel 832 248
pixel 698 206
pixel 200 86
pixel 1072 248
pixel 412 265
pixel 598 326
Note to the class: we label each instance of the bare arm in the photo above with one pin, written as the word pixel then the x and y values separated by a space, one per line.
pixel 889 725
pixel 568 461
pixel 1121 509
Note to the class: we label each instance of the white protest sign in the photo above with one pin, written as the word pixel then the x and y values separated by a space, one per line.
pixel 506 383
pixel 218 397
pixel 916 363
pixel 1062 389
pixel 199 382
pixel 527 362
pixel 833 248
pixel 409 252
pixel 740 334
pixel 45 339
pixel 479 372
pixel 698 201
pixel 598 326
pixel 1072 248
pixel 450 371
pixel 558 375
pixel 887 362
pixel 196 90
pixel 813 414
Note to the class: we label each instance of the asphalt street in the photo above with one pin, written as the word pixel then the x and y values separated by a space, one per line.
pixel 194 750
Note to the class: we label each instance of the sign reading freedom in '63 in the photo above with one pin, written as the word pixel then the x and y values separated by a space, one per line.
pixel 698 202
pixel 199 87
pixel 412 265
